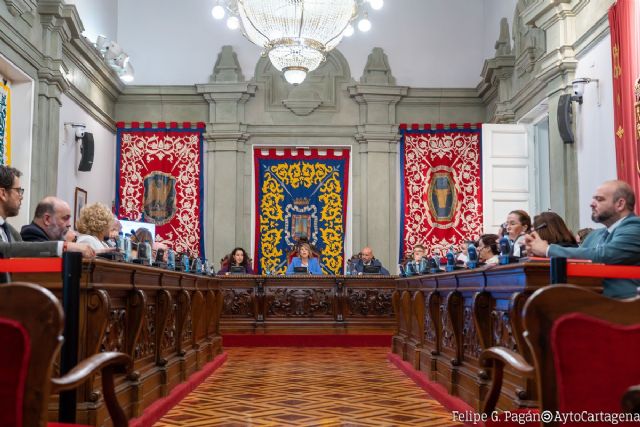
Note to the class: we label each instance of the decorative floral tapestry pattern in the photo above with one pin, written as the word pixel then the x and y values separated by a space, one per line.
pixel 5 124
pixel 441 188
pixel 300 193
pixel 159 181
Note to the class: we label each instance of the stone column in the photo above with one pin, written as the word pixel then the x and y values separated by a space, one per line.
pixel 60 23
pixel 225 139
pixel 376 198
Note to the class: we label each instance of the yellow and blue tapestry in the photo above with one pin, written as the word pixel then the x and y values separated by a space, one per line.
pixel 5 124
pixel 300 194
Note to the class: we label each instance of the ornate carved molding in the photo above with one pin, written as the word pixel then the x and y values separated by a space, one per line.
pixel 377 70
pixel 323 85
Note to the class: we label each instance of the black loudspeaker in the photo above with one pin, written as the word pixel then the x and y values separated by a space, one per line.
pixel 86 150
pixel 565 119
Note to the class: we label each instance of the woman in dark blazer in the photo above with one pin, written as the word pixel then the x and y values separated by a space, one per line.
pixel 237 258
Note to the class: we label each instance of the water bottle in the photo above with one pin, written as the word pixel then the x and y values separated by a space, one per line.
pixel 451 260
pixel 423 266
pixel 473 256
pixel 171 259
pixel 434 265
pixel 198 266
pixel 127 247
pixel 149 254
pixel 410 269
pixel 120 242
pixel 185 263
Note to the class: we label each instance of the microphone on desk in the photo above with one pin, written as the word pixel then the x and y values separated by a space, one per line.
pixel 451 260
pixel 505 248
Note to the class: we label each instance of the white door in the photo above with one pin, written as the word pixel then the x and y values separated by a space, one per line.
pixel 506 173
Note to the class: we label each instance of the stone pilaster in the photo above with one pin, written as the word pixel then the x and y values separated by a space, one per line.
pixel 378 137
pixel 225 157
pixel 60 23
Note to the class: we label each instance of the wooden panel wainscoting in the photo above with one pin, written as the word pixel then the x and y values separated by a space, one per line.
pixel 168 322
pixel 463 313
pixel 307 304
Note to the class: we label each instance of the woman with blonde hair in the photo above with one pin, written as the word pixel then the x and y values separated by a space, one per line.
pixel 304 259
pixel 94 225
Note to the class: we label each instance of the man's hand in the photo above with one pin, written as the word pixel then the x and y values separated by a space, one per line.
pixel 535 245
pixel 70 236
pixel 86 250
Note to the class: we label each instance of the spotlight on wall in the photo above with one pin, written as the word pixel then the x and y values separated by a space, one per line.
pixel 579 86
pixel 78 128
pixel 116 58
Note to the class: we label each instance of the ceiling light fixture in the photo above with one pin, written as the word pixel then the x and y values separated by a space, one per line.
pixel 297 34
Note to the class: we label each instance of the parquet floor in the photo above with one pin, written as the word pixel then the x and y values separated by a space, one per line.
pixel 287 386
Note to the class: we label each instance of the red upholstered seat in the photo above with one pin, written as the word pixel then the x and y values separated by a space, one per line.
pixel 31 322
pixel 584 349
pixel 15 353
pixel 596 382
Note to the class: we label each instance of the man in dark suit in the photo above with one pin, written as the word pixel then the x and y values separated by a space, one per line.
pixel 367 258
pixel 11 244
pixel 51 221
pixel 618 243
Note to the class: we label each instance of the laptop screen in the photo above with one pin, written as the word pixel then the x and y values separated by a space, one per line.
pixel 371 269
pixel 131 227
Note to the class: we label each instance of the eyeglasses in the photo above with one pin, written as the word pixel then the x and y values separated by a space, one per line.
pixel 20 190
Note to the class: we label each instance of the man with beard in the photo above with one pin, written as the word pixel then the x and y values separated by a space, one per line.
pixel 618 243
pixel 51 221
pixel 11 244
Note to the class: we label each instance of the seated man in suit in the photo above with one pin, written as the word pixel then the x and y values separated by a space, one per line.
pixel 367 258
pixel 11 244
pixel 51 221
pixel 617 243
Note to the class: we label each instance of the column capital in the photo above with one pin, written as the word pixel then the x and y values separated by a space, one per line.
pixel 227 100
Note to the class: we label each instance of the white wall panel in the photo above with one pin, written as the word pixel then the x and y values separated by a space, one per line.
pixel 595 138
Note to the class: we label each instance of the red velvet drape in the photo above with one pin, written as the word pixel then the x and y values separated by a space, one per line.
pixel 625 42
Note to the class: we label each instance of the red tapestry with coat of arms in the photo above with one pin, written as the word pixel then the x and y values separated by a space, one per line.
pixel 441 187
pixel 159 181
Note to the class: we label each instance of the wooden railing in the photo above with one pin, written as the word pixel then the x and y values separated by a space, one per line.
pixel 445 321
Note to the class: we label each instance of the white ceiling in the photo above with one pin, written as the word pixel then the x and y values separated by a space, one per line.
pixel 430 43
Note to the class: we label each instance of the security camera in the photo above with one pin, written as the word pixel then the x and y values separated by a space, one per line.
pixel 80 132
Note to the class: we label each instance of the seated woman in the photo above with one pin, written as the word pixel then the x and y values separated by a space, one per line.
pixel 237 258
pixel 304 260
pixel 518 225
pixel 551 227
pixel 488 249
pixel 94 225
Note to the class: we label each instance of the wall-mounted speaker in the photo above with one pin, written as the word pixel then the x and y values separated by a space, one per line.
pixel 86 151
pixel 565 119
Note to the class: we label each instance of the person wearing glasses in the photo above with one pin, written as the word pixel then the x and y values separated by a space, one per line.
pixel 11 244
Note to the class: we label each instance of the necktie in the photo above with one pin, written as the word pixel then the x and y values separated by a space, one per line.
pixel 603 238
pixel 6 231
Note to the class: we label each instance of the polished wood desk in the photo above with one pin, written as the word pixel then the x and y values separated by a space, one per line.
pixel 307 304
pixel 168 322
pixel 445 321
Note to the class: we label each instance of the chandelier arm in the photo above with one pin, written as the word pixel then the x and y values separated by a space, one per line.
pixel 252 24
pixel 301 21
pixel 355 13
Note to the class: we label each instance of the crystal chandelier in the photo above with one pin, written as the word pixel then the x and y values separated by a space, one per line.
pixel 296 34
